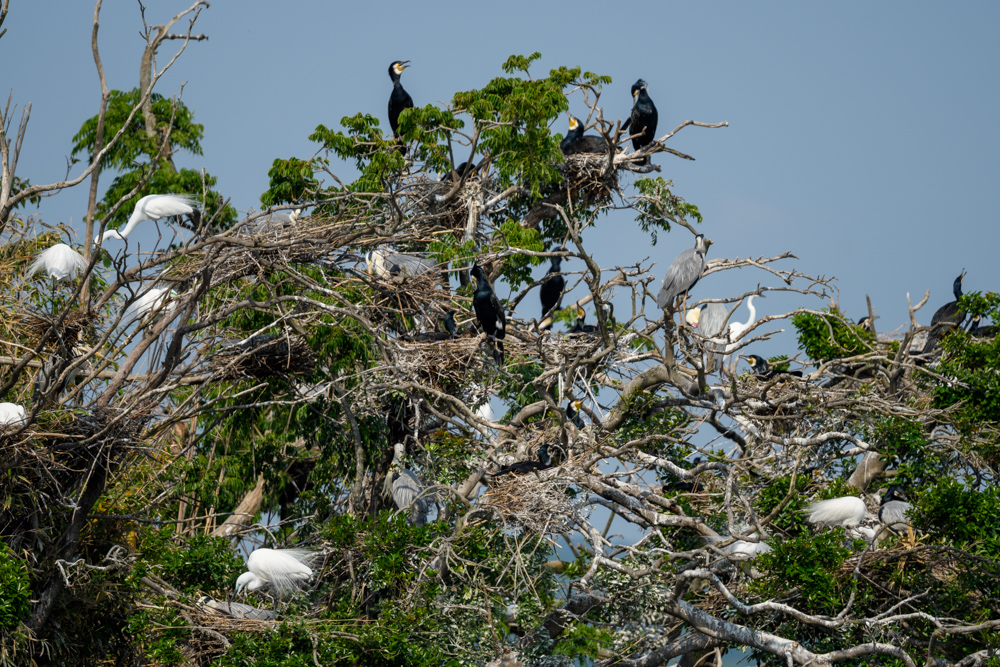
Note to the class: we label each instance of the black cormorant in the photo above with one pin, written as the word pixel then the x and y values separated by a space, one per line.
pixel 552 288
pixel 763 370
pixel 489 311
pixel 399 100
pixel 581 326
pixel 982 331
pixel 523 467
pixel 573 414
pixel 643 118
pixel 449 323
pixel 865 323
pixel 950 312
pixel 575 142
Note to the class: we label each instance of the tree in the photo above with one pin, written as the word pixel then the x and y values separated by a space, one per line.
pixel 260 405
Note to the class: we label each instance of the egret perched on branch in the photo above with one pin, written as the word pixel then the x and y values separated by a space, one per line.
pixel 405 487
pixel 737 329
pixel 60 261
pixel 157 300
pixel 12 414
pixel 151 207
pixel 281 570
pixel 683 274
pixel 844 511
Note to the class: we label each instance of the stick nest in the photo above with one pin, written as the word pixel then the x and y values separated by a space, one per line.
pixel 537 501
pixel 261 356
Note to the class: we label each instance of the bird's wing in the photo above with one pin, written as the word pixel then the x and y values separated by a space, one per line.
pixel 412 264
pixel 501 317
pixel 712 320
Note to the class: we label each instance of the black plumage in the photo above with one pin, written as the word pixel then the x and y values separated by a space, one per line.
pixel 524 467
pixel 449 323
pixel 644 117
pixel 763 369
pixel 575 142
pixel 982 331
pixel 865 323
pixel 573 414
pixel 399 100
pixel 950 313
pixel 489 311
pixel 581 326
pixel 552 288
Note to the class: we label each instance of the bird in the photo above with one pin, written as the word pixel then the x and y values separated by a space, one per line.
pixel 552 287
pixel 573 414
pixel 281 570
pixel 575 143
pixel 489 311
pixel 399 100
pixel 151 207
pixel 405 488
pixel 451 330
pixel 683 274
pixel 950 313
pixel 643 119
pixel 12 414
pixel 387 264
pixel 865 323
pixel 982 331
pixel 709 319
pixel 236 609
pixel 524 467
pixel 54 367
pixel 737 329
pixel 60 261
pixel 449 323
pixel 893 509
pixel 157 300
pixel 581 326
pixel 763 369
pixel 844 511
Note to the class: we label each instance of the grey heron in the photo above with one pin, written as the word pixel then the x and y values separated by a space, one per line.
pixel 683 274
pixel 709 319
pixel 405 488
pixel 385 263
pixel 893 510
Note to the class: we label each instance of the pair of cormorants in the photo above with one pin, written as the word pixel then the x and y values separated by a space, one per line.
pixel 642 121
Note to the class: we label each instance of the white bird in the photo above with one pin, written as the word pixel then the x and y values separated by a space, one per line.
pixel 152 300
pixel 60 261
pixel 151 207
pixel 736 329
pixel 12 414
pixel 844 511
pixel 405 487
pixel 281 570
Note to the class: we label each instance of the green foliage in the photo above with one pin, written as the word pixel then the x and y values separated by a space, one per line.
pixel 658 206
pixel 200 564
pixel 829 336
pixel 582 640
pixel 291 181
pixel 790 520
pixel 954 512
pixel 15 589
pixel 809 564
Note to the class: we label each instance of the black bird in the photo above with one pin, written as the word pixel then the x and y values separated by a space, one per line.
pixel 865 323
pixel 552 288
pixel 679 485
pixel 573 414
pixel 763 370
pixel 581 325
pixel 987 331
pixel 489 311
pixel 643 118
pixel 523 467
pixel 449 323
pixel 950 313
pixel 399 100
pixel 575 142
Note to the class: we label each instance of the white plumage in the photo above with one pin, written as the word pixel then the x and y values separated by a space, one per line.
pixel 12 414
pixel 281 570
pixel 151 207
pixel 60 261
pixel 152 300
pixel 843 511
pixel 737 329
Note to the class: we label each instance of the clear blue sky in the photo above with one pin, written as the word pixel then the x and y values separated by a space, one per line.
pixel 862 136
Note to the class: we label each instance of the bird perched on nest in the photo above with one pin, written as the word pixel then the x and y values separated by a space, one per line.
pixel 552 287
pixel 489 312
pixel 581 326
pixel 156 300
pixel 152 207
pixel 575 142
pixel 947 317
pixel 762 368
pixel 544 462
pixel 405 488
pixel 684 273
pixel 389 265
pixel 893 511
pixel 283 571
pixel 737 329
pixel 844 511
pixel 236 609
pixel 450 331
pixel 60 262
pixel 709 319
pixel 642 122
pixel 399 99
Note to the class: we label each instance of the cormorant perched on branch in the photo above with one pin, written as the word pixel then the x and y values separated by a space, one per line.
pixel 523 467
pixel 762 368
pixel 684 273
pixel 575 142
pixel 489 311
pixel 399 99
pixel 573 414
pixel 950 312
pixel 552 288
pixel 644 117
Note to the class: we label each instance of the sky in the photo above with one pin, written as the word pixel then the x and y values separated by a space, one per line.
pixel 861 136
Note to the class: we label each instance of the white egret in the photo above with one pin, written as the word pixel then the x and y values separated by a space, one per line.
pixel 684 273
pixel 281 570
pixel 60 261
pixel 737 329
pixel 158 300
pixel 405 488
pixel 844 511
pixel 151 207
pixel 12 414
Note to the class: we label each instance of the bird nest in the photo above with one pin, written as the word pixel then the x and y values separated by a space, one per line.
pixel 35 325
pixel 588 178
pixel 537 501
pixel 263 356
pixel 442 364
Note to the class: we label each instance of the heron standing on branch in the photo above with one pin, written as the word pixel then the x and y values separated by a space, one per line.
pixel 684 273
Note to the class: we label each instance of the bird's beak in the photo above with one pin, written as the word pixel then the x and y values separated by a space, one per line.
pixel 233 596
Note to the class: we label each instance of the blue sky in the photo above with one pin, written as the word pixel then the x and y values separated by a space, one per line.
pixel 862 136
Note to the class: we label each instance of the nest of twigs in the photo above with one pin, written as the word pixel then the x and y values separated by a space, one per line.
pixel 537 501
pixel 264 355
pixel 588 178
pixel 36 325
